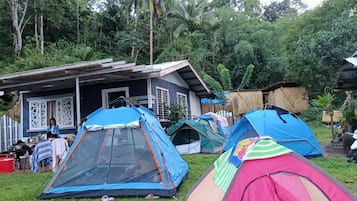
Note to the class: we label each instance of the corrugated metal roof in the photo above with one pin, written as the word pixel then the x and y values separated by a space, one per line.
pixel 99 71
pixel 352 60
pixel 348 74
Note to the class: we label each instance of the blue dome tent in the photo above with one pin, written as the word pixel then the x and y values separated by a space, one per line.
pixel 284 127
pixel 119 152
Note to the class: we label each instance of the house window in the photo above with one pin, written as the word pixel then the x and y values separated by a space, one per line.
pixel 110 97
pixel 182 100
pixel 42 109
pixel 162 96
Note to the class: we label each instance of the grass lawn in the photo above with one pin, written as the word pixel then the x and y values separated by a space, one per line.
pixel 27 187
pixel 337 167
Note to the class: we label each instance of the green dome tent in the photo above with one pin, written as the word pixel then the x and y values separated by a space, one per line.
pixel 190 136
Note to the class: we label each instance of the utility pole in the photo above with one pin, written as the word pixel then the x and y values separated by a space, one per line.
pixel 151 4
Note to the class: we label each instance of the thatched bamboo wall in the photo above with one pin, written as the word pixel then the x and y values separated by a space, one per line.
pixel 293 99
pixel 337 115
pixel 238 103
pixel 243 101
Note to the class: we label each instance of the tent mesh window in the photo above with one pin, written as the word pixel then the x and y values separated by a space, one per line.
pixel 108 157
pixel 186 136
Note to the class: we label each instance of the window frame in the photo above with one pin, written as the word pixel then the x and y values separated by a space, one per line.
pixel 45 100
pixel 186 101
pixel 157 104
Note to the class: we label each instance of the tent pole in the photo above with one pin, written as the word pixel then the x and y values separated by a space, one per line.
pixel 78 104
pixel 132 138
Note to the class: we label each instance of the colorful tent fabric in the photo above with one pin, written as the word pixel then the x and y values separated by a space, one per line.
pixel 190 136
pixel 119 152
pixel 227 164
pixel 262 149
pixel 269 171
pixel 284 127
pixel 224 172
pixel 218 123
pixel 206 189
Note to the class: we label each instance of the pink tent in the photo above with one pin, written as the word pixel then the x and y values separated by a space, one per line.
pixel 286 177
pixel 261 170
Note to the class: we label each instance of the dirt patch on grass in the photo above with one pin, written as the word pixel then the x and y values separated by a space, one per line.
pixel 334 149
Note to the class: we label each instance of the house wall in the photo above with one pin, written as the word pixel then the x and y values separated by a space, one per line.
pixel 91 95
pixel 195 105
pixel 91 98
pixel 25 110
pixel 176 79
pixel 173 89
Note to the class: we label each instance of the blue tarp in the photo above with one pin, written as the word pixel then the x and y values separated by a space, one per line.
pixel 217 100
pixel 287 129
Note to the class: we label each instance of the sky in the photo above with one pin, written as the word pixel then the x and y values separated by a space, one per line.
pixel 310 3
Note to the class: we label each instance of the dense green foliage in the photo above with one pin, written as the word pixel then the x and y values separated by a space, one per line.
pixel 225 77
pixel 327 103
pixel 312 114
pixel 177 112
pixel 257 44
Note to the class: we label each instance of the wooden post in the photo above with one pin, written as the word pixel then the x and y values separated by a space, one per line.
pixel 5 137
pixel 10 129
pixel 78 104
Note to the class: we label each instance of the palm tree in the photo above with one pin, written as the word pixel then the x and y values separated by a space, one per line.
pixel 155 8
pixel 326 102
pixel 186 16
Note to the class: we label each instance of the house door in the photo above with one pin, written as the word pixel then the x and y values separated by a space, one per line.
pixel 111 97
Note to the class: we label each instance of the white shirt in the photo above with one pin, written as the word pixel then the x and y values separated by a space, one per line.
pixel 59 147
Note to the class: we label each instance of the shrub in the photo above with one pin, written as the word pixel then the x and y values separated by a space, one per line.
pixel 177 112
pixel 311 115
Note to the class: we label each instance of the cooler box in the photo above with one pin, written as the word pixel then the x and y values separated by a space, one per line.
pixel 6 163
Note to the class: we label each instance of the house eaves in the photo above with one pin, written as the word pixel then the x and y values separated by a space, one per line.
pixel 99 71
pixel 352 60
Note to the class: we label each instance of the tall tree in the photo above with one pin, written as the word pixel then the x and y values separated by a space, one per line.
pixel 225 77
pixel 276 10
pixel 78 2
pixel 152 10
pixel 317 42
pixel 212 83
pixel 36 24
pixel 19 21
pixel 186 16
pixel 42 35
pixel 6 45
pixel 246 77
